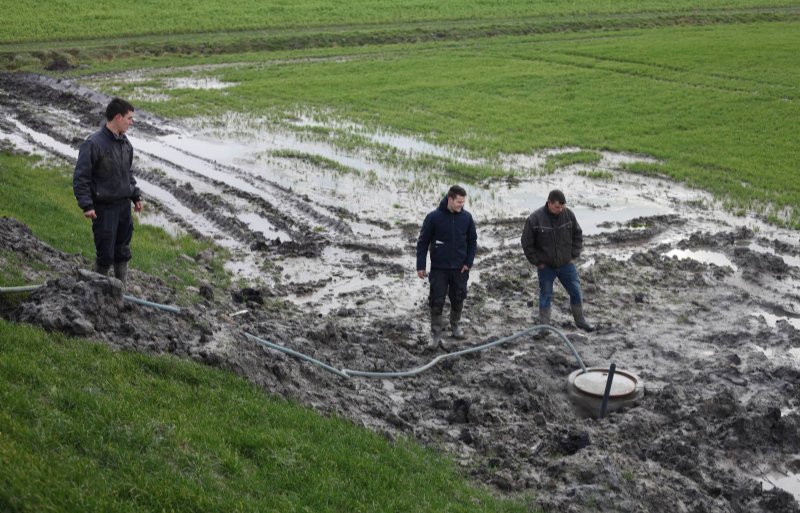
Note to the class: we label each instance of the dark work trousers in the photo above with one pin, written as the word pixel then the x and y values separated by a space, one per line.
pixel 113 230
pixel 446 282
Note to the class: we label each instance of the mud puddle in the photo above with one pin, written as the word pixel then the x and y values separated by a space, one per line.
pixel 325 237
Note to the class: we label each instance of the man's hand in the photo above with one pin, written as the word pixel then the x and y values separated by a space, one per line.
pixel 90 214
pixel 465 268
pixel 137 207
pixel 421 273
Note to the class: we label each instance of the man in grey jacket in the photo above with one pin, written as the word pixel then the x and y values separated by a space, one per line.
pixel 552 240
pixel 105 188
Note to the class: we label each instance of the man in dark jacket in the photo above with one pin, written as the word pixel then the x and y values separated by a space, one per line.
pixel 450 235
pixel 552 240
pixel 104 187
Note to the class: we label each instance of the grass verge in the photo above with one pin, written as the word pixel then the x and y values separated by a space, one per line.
pixel 83 428
pixel 559 160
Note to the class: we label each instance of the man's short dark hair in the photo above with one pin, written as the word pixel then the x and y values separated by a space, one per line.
pixel 456 190
pixel 117 106
pixel 556 196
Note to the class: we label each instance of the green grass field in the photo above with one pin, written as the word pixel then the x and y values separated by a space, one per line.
pixel 83 428
pixel 709 88
pixel 716 104
pixel 82 19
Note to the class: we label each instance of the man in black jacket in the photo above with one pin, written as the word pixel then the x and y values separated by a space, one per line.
pixel 104 187
pixel 450 235
pixel 552 240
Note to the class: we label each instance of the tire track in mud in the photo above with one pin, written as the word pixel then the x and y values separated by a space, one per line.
pixel 294 214
pixel 290 201
pixel 312 242
pixel 227 224
pixel 636 70
pixel 685 71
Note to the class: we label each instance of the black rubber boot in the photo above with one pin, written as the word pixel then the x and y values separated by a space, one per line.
pixel 455 320
pixel 121 271
pixel 436 331
pixel 580 320
pixel 543 319
pixel 102 269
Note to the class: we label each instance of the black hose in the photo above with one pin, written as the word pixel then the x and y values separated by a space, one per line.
pixel 610 380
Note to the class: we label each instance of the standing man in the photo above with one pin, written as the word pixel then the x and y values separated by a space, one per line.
pixel 104 187
pixel 552 240
pixel 449 232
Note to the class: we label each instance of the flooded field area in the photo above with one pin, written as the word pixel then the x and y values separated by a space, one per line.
pixel 703 305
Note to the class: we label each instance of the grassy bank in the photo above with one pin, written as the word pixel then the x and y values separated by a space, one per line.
pixel 39 194
pixel 84 429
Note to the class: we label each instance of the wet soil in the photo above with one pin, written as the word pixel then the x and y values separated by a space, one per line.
pixel 717 345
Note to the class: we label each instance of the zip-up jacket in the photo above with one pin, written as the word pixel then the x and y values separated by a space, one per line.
pixel 103 170
pixel 450 237
pixel 552 239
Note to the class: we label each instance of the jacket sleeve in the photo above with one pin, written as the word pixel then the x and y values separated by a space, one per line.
pixel 529 240
pixel 136 195
pixel 472 243
pixel 577 237
pixel 424 242
pixel 82 177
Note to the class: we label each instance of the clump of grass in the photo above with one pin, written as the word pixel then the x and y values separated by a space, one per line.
pixel 314 160
pixel 597 175
pixel 471 172
pixel 645 169
pixel 560 160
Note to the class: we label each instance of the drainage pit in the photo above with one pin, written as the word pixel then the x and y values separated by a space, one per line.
pixel 586 390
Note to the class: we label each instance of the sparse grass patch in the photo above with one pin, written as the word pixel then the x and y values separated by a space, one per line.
pixel 471 172
pixel 597 175
pixel 560 160
pixel 314 160
pixel 645 169
pixel 11 265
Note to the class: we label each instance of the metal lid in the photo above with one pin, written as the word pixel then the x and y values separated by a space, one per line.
pixel 593 382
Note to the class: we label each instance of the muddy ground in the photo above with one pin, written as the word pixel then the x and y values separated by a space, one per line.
pixel 703 307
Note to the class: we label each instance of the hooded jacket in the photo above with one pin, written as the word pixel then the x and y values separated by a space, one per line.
pixel 103 170
pixel 552 239
pixel 451 238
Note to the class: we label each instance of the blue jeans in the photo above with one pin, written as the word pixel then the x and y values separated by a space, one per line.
pixel 567 274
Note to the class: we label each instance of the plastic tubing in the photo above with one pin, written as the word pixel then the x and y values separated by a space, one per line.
pixel 296 355
pixel 166 308
pixel 24 288
pixel 29 288
pixel 347 373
